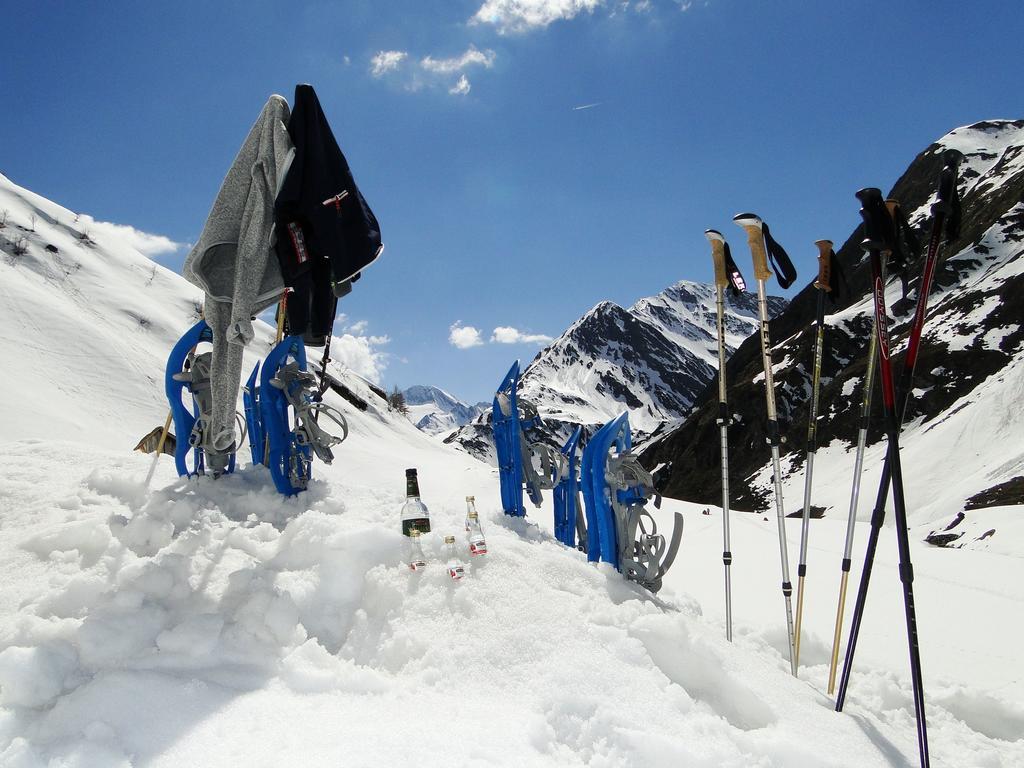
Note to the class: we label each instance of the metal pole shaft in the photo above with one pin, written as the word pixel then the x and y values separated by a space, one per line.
pixel 773 439
pixel 858 468
pixel 723 421
pixel 812 447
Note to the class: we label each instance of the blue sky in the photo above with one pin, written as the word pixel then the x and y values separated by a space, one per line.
pixel 503 204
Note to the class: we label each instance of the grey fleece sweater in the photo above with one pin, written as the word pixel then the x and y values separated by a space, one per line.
pixel 233 261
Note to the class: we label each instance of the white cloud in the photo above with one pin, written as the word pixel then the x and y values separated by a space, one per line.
pixel 360 354
pixel 346 60
pixel 358 328
pixel 504 334
pixel 145 243
pixel 464 336
pixel 386 61
pixel 471 58
pixel 461 88
pixel 524 15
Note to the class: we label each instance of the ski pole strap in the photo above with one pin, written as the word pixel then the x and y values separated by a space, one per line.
pixel 322 387
pixel 781 263
pixel 736 283
pixel 905 246
pixel 948 201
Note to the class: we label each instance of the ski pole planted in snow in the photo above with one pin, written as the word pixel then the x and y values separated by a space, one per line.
pixel 858 468
pixel 761 245
pixel 726 276
pixel 945 226
pixel 823 284
pixel 879 236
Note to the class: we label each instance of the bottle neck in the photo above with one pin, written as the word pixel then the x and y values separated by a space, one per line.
pixel 412 487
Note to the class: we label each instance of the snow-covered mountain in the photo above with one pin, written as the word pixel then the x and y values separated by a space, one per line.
pixel 153 625
pixel 435 411
pixel 652 359
pixel 970 373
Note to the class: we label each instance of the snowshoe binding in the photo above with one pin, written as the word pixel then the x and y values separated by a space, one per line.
pixel 187 368
pixel 616 489
pixel 289 409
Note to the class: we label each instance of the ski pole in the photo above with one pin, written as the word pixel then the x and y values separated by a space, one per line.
pixel 858 467
pixel 879 236
pixel 721 282
pixel 823 286
pixel 945 224
pixel 753 226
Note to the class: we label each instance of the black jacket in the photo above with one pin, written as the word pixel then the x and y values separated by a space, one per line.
pixel 312 224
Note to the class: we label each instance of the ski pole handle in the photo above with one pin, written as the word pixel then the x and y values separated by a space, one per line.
pixel 718 255
pixel 755 239
pixel 878 227
pixel 824 281
pixel 951 160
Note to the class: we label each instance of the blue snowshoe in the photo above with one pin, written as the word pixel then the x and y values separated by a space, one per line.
pixel 616 489
pixel 187 368
pixel 253 419
pixel 534 465
pixel 568 515
pixel 505 423
pixel 289 408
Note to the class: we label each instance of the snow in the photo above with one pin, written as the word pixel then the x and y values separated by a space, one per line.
pixel 202 622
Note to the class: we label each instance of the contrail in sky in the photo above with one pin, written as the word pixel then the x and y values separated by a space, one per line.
pixel 587 106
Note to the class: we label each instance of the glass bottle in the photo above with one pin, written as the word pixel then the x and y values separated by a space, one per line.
pixel 475 534
pixel 455 567
pixel 417 560
pixel 414 511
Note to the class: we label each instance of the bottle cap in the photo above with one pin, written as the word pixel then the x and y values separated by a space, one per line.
pixel 449 539
pixel 471 498
pixel 410 472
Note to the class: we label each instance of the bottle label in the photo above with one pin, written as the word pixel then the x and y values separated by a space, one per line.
pixel 421 524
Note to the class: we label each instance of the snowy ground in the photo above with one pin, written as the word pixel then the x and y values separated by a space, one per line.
pixel 213 623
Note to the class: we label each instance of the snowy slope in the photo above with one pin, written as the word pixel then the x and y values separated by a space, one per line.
pixel 214 623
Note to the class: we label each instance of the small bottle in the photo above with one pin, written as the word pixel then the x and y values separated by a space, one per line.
pixel 475 534
pixel 414 512
pixel 417 560
pixel 455 568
